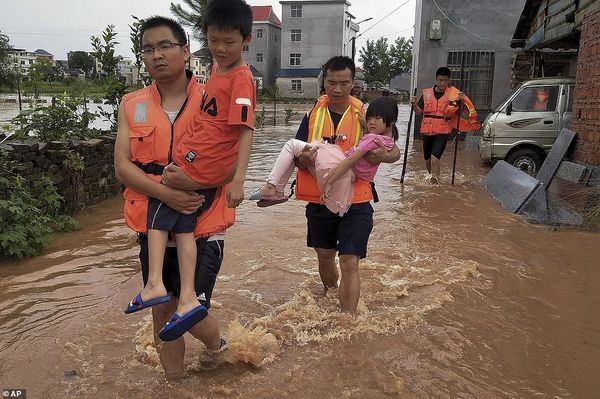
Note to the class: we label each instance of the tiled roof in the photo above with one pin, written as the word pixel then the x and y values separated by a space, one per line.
pixel 264 14
pixel 299 73
pixel 41 52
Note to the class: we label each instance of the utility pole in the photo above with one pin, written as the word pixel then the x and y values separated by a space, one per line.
pixel 353 39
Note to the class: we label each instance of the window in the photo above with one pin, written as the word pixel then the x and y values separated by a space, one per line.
pixel 246 47
pixel 478 75
pixel 296 85
pixel 259 33
pixel 294 59
pixel 296 11
pixel 536 99
pixel 259 57
pixel 296 35
pixel 275 38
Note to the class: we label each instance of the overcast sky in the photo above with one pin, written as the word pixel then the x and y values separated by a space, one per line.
pixel 59 26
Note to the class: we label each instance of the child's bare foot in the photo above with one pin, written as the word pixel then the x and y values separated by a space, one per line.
pixel 185 306
pixel 153 291
pixel 151 295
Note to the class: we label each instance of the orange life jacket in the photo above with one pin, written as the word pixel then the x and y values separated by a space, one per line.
pixel 151 137
pixel 468 118
pixel 320 125
pixel 440 116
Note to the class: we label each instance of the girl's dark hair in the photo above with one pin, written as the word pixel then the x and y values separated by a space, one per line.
pixel 156 21
pixel 386 108
pixel 228 15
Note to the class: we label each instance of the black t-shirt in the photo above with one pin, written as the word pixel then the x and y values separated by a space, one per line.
pixel 302 133
pixel 437 95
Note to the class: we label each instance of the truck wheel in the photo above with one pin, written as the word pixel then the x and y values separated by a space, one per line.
pixel 526 159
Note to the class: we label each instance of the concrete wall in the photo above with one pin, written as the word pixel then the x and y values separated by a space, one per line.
pixel 93 184
pixel 323 32
pixel 310 88
pixel 586 104
pixel 490 25
pixel 270 47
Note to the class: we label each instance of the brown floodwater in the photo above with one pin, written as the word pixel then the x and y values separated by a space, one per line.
pixel 459 299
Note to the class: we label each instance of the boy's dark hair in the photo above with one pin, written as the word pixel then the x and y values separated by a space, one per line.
pixel 339 63
pixel 443 71
pixel 228 15
pixel 386 108
pixel 156 21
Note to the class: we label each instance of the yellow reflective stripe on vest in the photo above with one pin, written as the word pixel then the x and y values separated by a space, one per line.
pixel 318 128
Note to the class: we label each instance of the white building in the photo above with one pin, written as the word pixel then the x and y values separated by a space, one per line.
pixel 23 59
pixel 312 32
pixel 199 67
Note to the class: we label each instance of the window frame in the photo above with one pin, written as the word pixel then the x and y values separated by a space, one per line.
pixel 297 10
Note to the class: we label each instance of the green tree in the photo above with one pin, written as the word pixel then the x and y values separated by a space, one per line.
pixel 193 19
pixel 400 54
pixel 136 48
pixel 376 61
pixel 7 70
pixel 82 61
pixel 105 50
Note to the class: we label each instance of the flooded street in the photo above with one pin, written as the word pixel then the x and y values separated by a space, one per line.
pixel 459 299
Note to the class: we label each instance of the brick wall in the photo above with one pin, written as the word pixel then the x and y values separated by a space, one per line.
pixel 586 105
pixel 93 184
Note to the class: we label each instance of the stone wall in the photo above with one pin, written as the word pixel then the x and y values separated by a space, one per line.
pixel 91 185
pixel 586 105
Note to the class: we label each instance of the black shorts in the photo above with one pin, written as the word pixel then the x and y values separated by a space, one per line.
pixel 208 263
pixel 434 145
pixel 163 217
pixel 348 234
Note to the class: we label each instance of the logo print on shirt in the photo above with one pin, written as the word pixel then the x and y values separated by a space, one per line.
pixel 210 107
pixel 190 156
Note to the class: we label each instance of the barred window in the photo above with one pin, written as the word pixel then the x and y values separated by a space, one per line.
pixel 478 75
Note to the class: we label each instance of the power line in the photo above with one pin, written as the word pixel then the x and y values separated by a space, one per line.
pixel 52 34
pixel 384 17
pixel 460 26
pixel 389 34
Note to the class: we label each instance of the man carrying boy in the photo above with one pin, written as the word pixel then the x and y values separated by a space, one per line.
pixel 151 144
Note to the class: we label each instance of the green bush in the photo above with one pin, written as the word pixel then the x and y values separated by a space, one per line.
pixel 289 112
pixel 25 219
pixel 60 122
pixel 259 118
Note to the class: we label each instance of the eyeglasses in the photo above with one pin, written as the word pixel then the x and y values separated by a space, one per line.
pixel 162 48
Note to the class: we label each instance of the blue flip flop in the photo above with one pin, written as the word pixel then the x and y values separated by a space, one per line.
pixel 137 304
pixel 179 325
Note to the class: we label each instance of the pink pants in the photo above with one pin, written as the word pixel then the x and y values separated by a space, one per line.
pixel 328 157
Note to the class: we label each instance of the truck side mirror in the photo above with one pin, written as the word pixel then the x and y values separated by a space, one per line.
pixel 509 108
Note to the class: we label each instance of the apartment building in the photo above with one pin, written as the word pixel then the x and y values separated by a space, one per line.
pixel 312 32
pixel 264 51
